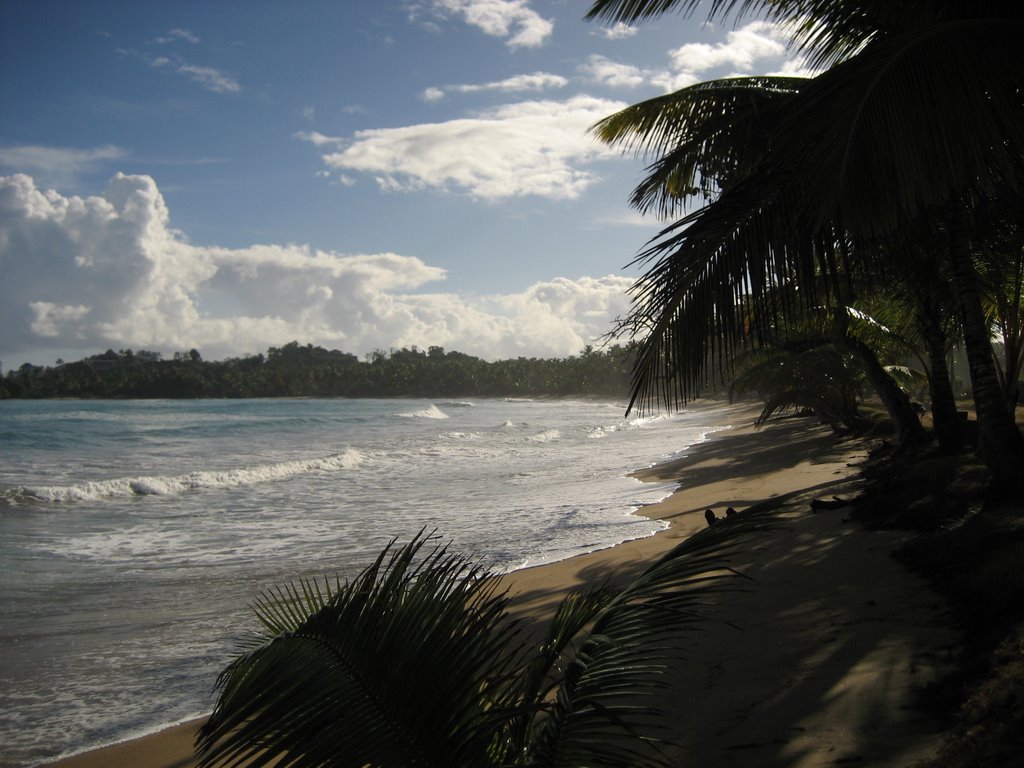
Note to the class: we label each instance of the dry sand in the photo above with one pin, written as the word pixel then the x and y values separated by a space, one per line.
pixel 821 663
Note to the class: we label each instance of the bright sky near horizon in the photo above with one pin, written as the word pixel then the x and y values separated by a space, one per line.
pixel 360 175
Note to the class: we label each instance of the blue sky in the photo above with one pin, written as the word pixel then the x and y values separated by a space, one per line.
pixel 361 175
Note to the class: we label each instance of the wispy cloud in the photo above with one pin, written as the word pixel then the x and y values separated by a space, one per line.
pixel 537 81
pixel 537 148
pixel 604 71
pixel 177 35
pixel 57 166
pixel 209 78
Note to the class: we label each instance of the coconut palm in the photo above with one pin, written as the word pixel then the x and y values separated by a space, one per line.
pixel 918 113
pixel 416 662
pixel 815 374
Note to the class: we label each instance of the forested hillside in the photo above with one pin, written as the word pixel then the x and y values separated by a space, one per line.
pixel 307 371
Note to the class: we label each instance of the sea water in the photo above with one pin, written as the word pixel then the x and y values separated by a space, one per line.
pixel 133 534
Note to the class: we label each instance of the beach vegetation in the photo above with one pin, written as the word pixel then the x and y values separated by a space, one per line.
pixel 297 370
pixel 420 661
pixel 821 185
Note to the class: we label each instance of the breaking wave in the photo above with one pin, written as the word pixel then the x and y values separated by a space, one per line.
pixel 167 486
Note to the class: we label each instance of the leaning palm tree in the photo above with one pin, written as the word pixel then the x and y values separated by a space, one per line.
pixel 918 113
pixel 416 662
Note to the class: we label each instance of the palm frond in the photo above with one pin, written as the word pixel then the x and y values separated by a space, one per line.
pixel 705 137
pixel 347 685
pixel 415 663
pixel 606 712
pixel 904 128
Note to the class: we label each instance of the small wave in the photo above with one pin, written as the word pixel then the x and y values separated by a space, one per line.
pixel 457 404
pixel 433 412
pixel 545 437
pixel 460 435
pixel 166 486
pixel 645 420
pixel 508 425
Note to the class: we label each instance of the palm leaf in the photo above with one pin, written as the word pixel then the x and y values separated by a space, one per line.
pixel 415 663
pixel 704 137
pixel 607 709
pixel 835 147
pixel 406 665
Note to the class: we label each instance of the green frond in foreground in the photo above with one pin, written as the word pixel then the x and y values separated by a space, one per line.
pixel 416 662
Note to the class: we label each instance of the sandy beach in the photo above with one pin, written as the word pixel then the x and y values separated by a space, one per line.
pixel 820 663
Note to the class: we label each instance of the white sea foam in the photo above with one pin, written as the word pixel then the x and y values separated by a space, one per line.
pixel 165 486
pixel 158 583
pixel 643 421
pixel 545 437
pixel 461 435
pixel 433 412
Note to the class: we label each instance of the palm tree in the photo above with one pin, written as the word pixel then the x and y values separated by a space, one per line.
pixel 918 114
pixel 815 374
pixel 416 662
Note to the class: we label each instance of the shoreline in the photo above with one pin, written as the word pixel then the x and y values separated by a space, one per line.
pixel 782 464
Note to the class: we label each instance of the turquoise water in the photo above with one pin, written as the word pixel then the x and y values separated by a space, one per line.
pixel 134 533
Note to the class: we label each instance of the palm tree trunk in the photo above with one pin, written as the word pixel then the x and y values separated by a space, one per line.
pixel 945 419
pixel 1000 444
pixel 896 401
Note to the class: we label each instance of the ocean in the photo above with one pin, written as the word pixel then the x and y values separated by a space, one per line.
pixel 134 534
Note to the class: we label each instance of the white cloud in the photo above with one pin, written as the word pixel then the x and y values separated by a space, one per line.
pixel 104 271
pixel 49 318
pixel 318 139
pixel 511 19
pixel 211 79
pixel 757 48
pixel 604 71
pixel 796 67
pixel 745 51
pixel 527 148
pixel 59 166
pixel 176 34
pixel 618 31
pixel 536 81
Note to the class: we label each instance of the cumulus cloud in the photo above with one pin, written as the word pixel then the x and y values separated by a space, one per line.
pixel 743 47
pixel 527 148
pixel 511 19
pixel 755 49
pixel 87 273
pixel 536 81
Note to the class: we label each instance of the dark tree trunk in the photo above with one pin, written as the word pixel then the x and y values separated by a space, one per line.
pixel 1000 444
pixel 897 403
pixel 945 419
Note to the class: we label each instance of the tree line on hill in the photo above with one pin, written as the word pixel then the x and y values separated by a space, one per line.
pixel 294 370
